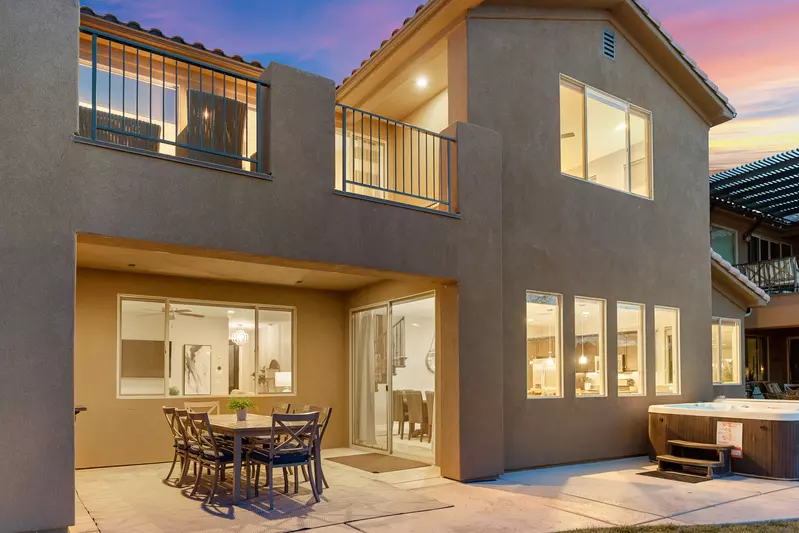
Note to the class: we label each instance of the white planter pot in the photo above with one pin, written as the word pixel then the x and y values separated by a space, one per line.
pixel 241 415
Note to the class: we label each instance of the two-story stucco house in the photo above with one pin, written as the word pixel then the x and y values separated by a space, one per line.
pixel 500 218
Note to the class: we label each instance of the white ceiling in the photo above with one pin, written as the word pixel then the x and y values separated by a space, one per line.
pixel 415 310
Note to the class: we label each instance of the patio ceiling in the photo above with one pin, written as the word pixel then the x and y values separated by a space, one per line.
pixel 138 261
pixel 767 189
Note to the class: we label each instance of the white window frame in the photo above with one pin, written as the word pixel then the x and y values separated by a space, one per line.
pixel 628 165
pixel 675 343
pixel 717 322
pixel 559 345
pixel 642 343
pixel 191 301
pixel 603 357
pixel 734 236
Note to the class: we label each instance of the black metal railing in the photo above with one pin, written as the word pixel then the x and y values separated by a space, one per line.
pixel 142 98
pixel 389 160
pixel 775 276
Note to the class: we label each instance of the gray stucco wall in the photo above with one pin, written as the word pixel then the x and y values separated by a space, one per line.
pixel 54 187
pixel 567 236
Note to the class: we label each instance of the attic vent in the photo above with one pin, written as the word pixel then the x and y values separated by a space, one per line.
pixel 609 44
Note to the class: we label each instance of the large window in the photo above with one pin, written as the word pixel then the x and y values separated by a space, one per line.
pixel 756 358
pixel 185 348
pixel 544 368
pixel 667 350
pixel 630 343
pixel 589 347
pixel 723 242
pixel 726 342
pixel 763 249
pixel 604 139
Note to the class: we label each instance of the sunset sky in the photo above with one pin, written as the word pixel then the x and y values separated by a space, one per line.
pixel 750 48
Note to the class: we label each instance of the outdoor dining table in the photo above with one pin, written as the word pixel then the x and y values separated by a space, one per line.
pixel 255 426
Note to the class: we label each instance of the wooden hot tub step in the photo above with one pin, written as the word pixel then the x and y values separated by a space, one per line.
pixel 673 463
pixel 699 445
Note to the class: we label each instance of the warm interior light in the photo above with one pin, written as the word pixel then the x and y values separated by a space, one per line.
pixel 550 362
pixel 240 337
pixel 421 82
pixel 283 380
pixel 621 127
pixel 583 360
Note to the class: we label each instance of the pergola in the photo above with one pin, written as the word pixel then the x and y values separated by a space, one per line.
pixel 767 189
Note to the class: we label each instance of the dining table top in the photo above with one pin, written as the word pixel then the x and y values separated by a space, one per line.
pixel 254 422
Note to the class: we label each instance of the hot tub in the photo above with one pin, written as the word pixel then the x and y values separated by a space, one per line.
pixel 767 431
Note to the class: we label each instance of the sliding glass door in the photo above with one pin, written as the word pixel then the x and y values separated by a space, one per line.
pixel 370 379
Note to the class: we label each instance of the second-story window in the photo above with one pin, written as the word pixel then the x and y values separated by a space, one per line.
pixel 604 139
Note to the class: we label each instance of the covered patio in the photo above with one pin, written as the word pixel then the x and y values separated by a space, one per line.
pixel 136 499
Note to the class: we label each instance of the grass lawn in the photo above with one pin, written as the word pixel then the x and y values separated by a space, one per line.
pixel 770 527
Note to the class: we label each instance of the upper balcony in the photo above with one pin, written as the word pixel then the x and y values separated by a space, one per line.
pixel 775 276
pixel 167 102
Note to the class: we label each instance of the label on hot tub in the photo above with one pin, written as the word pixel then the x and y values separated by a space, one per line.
pixel 730 434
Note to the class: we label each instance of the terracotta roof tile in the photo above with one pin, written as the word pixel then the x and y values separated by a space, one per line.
pixel 640 6
pixel 737 274
pixel 84 10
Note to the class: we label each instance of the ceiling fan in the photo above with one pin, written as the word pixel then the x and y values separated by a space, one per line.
pixel 175 312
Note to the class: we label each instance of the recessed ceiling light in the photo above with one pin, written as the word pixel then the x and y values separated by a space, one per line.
pixel 415 325
pixel 421 82
pixel 230 311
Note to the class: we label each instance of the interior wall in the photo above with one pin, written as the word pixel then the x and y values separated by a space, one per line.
pixel 140 434
pixel 432 115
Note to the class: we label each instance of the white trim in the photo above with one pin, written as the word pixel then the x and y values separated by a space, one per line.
pixel 642 376
pixel 603 357
pixel 166 302
pixel 716 321
pixel 559 296
pixel 677 335
pixel 625 106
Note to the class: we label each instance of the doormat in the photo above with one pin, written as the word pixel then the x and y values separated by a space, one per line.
pixel 377 463
pixel 674 476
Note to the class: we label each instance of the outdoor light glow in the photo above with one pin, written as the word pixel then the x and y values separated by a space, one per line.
pixel 421 82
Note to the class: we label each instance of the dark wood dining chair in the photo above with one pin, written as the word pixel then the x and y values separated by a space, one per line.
pixel 296 449
pixel 324 420
pixel 282 408
pixel 178 440
pixel 430 400
pixel 416 412
pixel 399 411
pixel 209 452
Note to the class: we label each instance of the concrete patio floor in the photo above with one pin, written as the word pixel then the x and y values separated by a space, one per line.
pixel 552 499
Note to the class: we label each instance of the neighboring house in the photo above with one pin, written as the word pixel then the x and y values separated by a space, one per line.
pixel 754 212
pixel 511 193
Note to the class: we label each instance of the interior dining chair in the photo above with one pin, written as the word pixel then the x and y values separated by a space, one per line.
pixel 212 408
pixel 295 450
pixel 416 414
pixel 210 453
pixel 430 400
pixel 399 411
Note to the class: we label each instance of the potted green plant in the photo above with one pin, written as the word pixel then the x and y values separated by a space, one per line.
pixel 174 391
pixel 240 405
